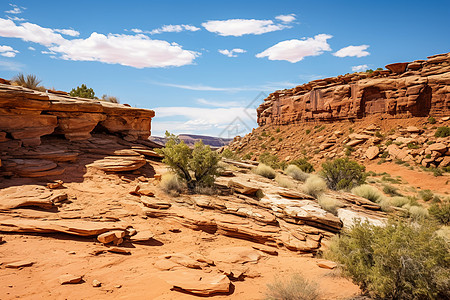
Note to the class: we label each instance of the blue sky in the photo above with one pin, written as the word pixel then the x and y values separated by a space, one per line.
pixel 201 64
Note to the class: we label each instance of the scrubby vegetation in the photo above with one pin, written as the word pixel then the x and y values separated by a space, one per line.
pixel 294 288
pixel 227 153
pixel 397 261
pixel 369 192
pixel 265 171
pixel 29 81
pixel 270 160
pixel 442 132
pixel 303 164
pixel 314 186
pixel 83 92
pixel 171 184
pixel 441 212
pixel 329 204
pixel 296 173
pixel 284 181
pixel 196 167
pixel 111 99
pixel 343 173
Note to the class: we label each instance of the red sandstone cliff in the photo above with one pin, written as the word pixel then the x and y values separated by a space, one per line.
pixel 418 89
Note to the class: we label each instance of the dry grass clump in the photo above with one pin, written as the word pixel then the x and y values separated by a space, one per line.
pixel 171 184
pixel 418 213
pixel 369 192
pixel 284 182
pixel 295 288
pixel 29 81
pixel 265 171
pixel 329 204
pixel 398 201
pixel 296 173
pixel 314 186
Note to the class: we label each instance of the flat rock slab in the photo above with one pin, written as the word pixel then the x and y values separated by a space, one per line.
pixel 29 195
pixel 79 228
pixel 19 264
pixel 235 255
pixel 197 282
pixel 70 279
pixel 119 163
pixel 326 264
pixel 246 188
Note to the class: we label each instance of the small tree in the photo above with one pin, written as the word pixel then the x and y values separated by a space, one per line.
pixel 343 173
pixel 83 92
pixel 197 167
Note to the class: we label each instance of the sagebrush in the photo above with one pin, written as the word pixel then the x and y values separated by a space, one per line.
pixel 343 173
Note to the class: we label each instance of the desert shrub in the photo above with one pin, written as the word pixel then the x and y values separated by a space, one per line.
pixel 343 173
pixel 265 171
pixel 389 142
pixel 440 212
pixel 284 182
pixel 398 261
pixel 399 201
pixel 269 159
pixel 111 99
pixel 303 165
pixel 264 133
pixel 171 184
pixel 308 131
pixel 314 186
pixel 227 153
pixel 369 192
pixel 83 92
pixel 329 204
pixel 442 132
pixel 417 212
pixel 294 288
pixel 437 172
pixel 278 129
pixel 431 120
pixel 388 178
pixel 29 81
pixel 196 167
pixel 378 134
pixel 247 156
pixel 426 195
pixel 296 173
pixel 391 190
pixel 412 145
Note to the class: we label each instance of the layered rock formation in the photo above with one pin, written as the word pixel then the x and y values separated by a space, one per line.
pixel 419 88
pixel 27 115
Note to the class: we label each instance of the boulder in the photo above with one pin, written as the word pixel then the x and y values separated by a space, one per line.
pixel 242 187
pixel 439 147
pixel 70 279
pixel 198 282
pixel 118 163
pixel 372 152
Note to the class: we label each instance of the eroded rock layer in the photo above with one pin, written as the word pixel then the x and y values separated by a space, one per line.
pixel 27 115
pixel 419 88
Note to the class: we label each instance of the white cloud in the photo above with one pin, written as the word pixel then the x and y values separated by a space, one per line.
pixel 270 86
pixel 231 53
pixel 29 32
pixel 31 48
pixel 8 51
pixel 69 32
pixel 11 66
pixel 15 9
pixel 218 103
pixel 240 27
pixel 295 50
pixel 15 18
pixel 137 51
pixel 360 68
pixel 286 18
pixel 357 51
pixel 168 28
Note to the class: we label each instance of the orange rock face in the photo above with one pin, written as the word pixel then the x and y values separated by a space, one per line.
pixel 26 115
pixel 417 89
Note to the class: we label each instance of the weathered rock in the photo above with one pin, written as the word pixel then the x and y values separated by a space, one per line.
pixel 96 283
pixel 396 152
pixel 155 203
pixel 19 264
pixel 29 195
pixel 111 236
pixel 119 163
pixel 198 282
pixel 242 187
pixel 326 264
pixel 439 147
pixel 372 152
pixel 70 279
pixel 142 236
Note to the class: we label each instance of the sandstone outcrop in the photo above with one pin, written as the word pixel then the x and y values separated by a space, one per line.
pixel 419 88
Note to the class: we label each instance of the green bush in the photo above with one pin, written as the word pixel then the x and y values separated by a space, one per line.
pixel 295 288
pixel 196 167
pixel 426 195
pixel 440 212
pixel 265 171
pixel 314 186
pixel 396 261
pixel 343 173
pixel 227 153
pixel 442 132
pixel 431 120
pixel 83 92
pixel 369 192
pixel 418 212
pixel 296 173
pixel 303 165
pixel 269 159
pixel 391 190
pixel 399 201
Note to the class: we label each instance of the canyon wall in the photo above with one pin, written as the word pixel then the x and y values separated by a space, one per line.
pixel 27 115
pixel 416 89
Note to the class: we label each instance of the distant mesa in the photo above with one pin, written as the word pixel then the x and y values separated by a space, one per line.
pixel 191 139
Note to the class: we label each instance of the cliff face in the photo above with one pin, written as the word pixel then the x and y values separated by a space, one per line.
pixel 415 89
pixel 27 115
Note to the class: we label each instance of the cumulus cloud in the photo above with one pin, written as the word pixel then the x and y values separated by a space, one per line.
pixel 168 28
pixel 360 68
pixel 8 51
pixel 15 9
pixel 15 18
pixel 357 51
pixel 29 32
pixel 286 18
pixel 295 50
pixel 69 32
pixel 31 48
pixel 137 51
pixel 232 52
pixel 240 27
